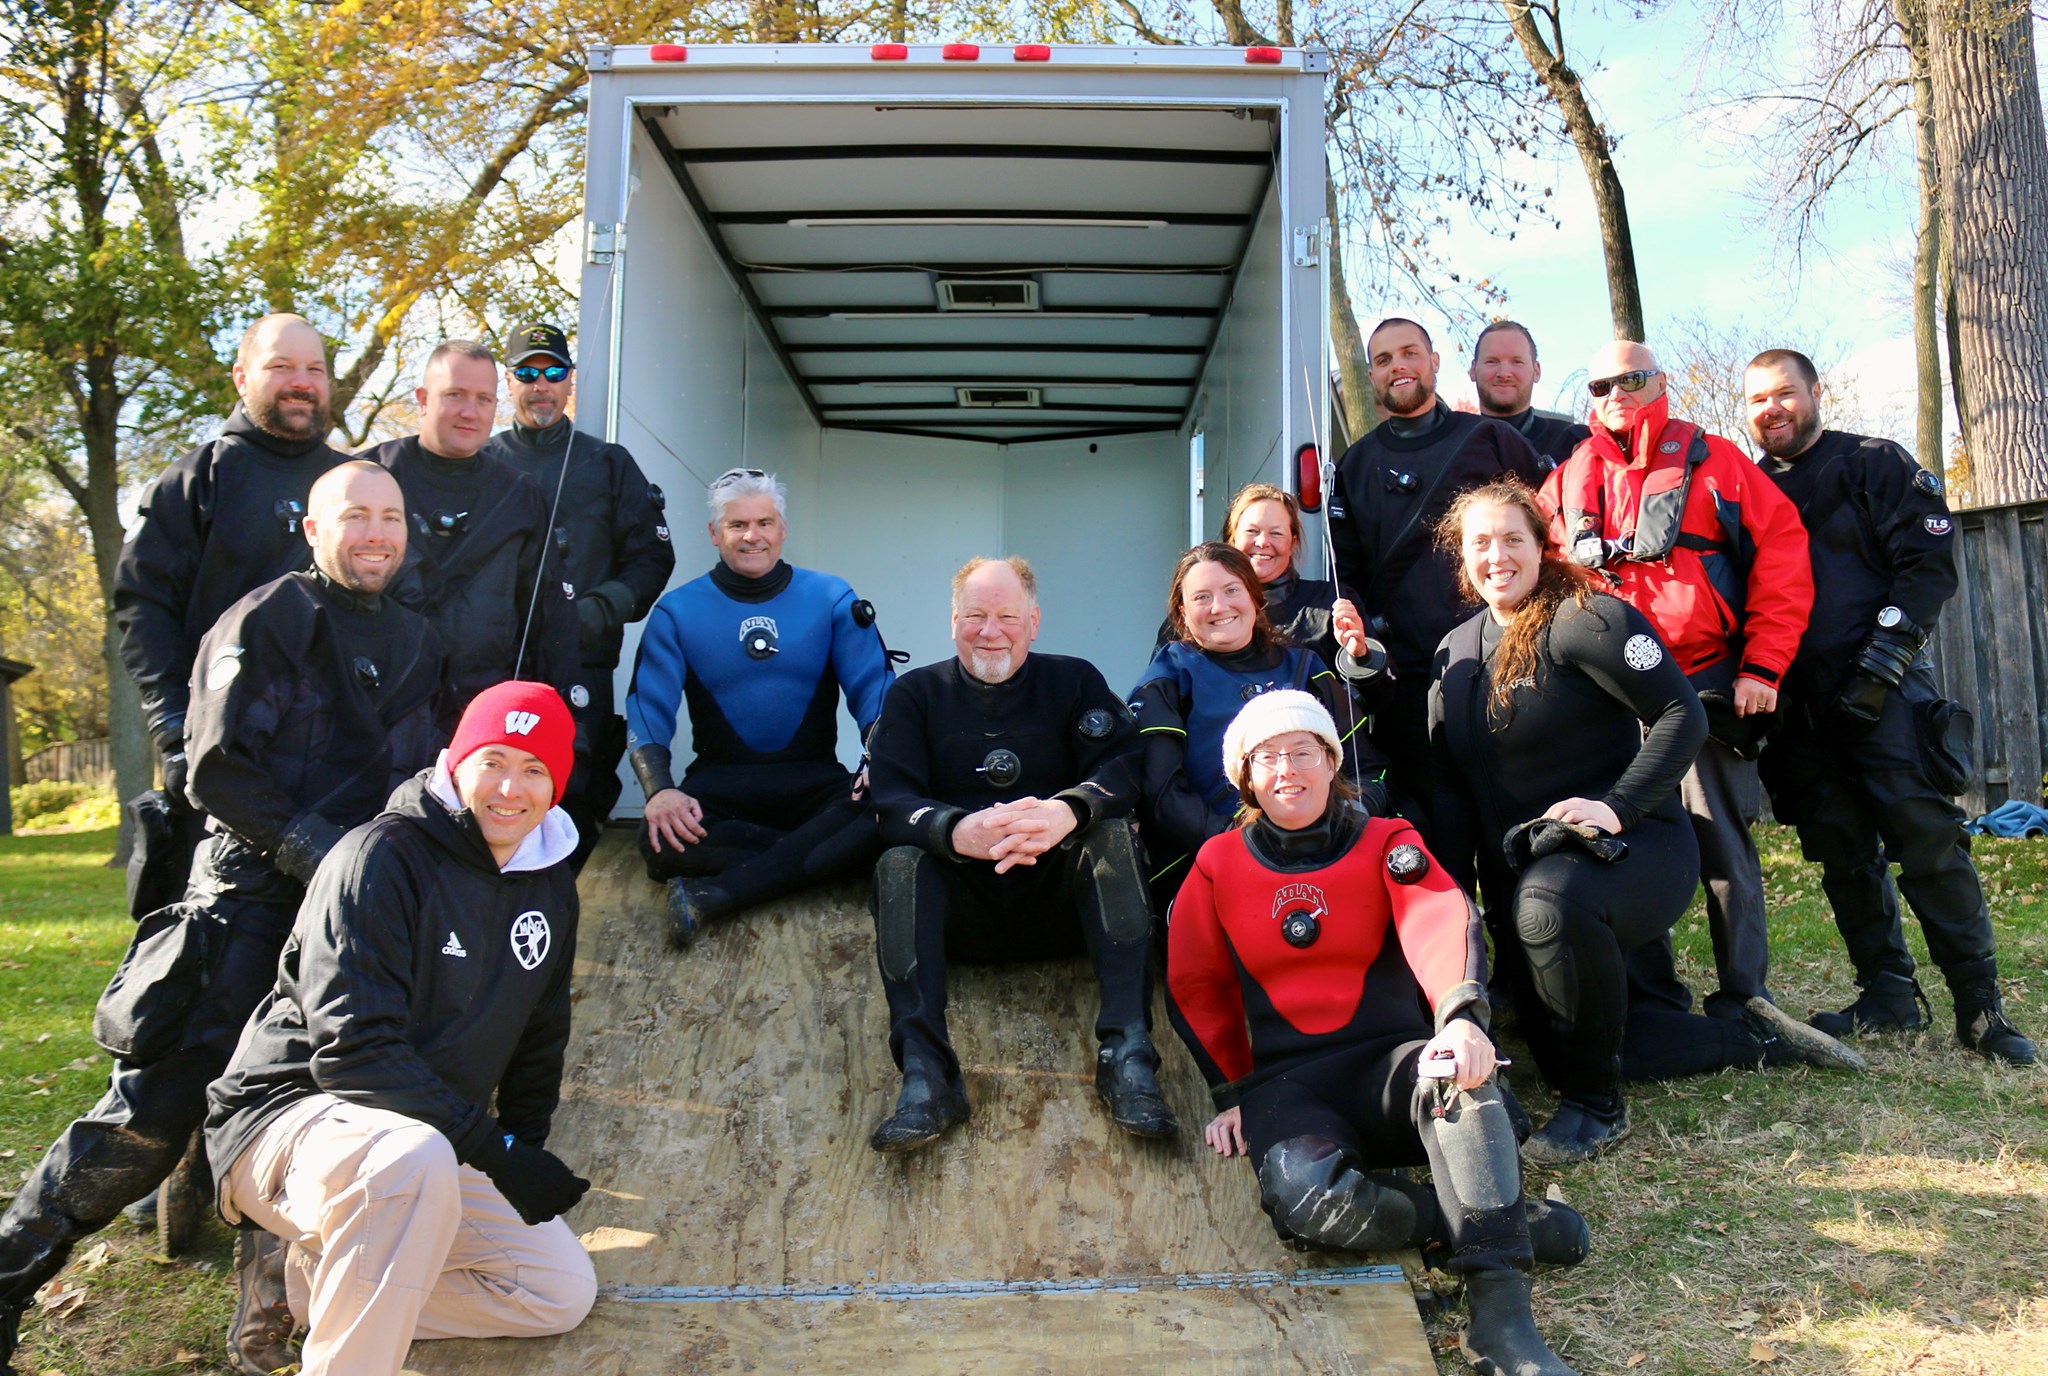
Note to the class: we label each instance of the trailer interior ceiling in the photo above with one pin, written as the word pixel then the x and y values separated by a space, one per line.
pixel 997 274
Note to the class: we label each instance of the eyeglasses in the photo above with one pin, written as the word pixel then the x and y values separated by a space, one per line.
pixel 1628 382
pixel 1302 757
pixel 733 475
pixel 554 372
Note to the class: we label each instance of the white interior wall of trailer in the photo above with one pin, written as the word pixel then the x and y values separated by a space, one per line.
pixel 1242 406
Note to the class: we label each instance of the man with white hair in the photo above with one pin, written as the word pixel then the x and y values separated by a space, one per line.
pixel 761 653
pixel 1004 781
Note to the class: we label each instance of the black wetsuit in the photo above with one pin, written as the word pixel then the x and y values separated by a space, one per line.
pixel 308 705
pixel 478 555
pixel 1392 488
pixel 610 520
pixel 1552 437
pixel 1562 926
pixel 948 745
pixel 1861 795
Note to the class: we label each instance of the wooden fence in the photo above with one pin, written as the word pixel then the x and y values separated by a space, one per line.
pixel 1991 649
pixel 76 762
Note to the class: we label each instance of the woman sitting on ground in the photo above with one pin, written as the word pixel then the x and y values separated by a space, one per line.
pixel 1562 727
pixel 1223 652
pixel 1362 1043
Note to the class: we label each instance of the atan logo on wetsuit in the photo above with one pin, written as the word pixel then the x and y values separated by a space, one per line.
pixel 758 636
pixel 1299 909
pixel 531 937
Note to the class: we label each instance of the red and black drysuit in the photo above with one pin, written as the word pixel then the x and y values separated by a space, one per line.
pixel 1700 541
pixel 1392 487
pixel 1317 1043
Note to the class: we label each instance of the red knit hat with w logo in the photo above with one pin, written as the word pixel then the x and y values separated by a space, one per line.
pixel 526 716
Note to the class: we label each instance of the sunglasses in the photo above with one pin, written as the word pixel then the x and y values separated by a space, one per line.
pixel 733 475
pixel 1628 382
pixel 527 372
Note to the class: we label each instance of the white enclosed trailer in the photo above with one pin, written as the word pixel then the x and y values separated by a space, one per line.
pixel 1050 301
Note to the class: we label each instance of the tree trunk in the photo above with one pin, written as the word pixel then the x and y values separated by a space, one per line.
pixel 99 428
pixel 1347 342
pixel 1927 438
pixel 1596 154
pixel 1993 150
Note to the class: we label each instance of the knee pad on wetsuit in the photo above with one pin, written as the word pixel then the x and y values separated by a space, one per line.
pixel 1317 1196
pixel 1546 955
pixel 1109 851
pixel 896 879
pixel 1475 1144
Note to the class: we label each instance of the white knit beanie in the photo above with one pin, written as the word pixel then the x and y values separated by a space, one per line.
pixel 1275 714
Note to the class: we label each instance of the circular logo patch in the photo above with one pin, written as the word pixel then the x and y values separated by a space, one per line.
pixel 579 696
pixel 530 938
pixel 225 666
pixel 1643 652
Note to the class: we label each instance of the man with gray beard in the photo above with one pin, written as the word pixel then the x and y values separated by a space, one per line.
pixel 1004 782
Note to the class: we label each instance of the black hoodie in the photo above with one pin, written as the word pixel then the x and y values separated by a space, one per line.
pixel 420 979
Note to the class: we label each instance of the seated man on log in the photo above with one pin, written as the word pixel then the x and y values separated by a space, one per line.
pixel 760 652
pixel 387 1112
pixel 1004 781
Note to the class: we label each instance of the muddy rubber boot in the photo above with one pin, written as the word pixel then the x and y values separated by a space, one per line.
pixel 259 1335
pixel 1558 1235
pixel 1317 1196
pixel 1127 1081
pixel 1579 1131
pixel 142 1213
pixel 1981 1023
pixel 926 1109
pixel 1787 1041
pixel 1501 1339
pixel 691 905
pixel 1889 1003
pixel 10 1337
pixel 184 1200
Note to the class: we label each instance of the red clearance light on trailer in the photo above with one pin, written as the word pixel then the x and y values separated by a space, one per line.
pixel 1308 478
pixel 1262 54
pixel 1032 52
pixel 669 52
pixel 889 52
pixel 961 52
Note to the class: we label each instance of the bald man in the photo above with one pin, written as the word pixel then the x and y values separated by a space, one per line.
pixel 1700 541
pixel 312 698
pixel 248 486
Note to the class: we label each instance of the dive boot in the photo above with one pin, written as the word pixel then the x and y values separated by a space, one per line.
pixel 1579 1131
pixel 259 1335
pixel 689 908
pixel 1981 1023
pixel 1127 1081
pixel 1558 1235
pixel 1889 1002
pixel 10 1337
pixel 184 1200
pixel 1501 1339
pixel 926 1109
pixel 1788 1041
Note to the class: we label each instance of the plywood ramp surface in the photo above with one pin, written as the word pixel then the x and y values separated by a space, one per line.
pixel 720 1100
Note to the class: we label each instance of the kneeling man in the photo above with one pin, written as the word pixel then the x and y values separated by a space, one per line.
pixel 1004 782
pixel 429 971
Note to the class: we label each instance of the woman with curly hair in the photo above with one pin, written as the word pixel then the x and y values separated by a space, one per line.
pixel 1562 727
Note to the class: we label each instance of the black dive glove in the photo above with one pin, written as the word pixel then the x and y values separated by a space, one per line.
pixel 170 747
pixel 533 1180
pixel 1880 666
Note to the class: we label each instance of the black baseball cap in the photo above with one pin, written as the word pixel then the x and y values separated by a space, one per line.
pixel 529 341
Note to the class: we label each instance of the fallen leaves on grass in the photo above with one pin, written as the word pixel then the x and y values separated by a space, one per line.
pixel 59 1299
pixel 1763 1352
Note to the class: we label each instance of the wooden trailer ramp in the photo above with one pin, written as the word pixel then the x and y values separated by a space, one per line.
pixel 721 1101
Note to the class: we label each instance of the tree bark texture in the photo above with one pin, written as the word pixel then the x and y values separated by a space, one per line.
pixel 1928 444
pixel 1347 341
pixel 1596 154
pixel 1993 151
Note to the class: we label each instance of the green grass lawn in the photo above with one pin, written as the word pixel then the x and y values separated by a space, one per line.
pixel 1795 1221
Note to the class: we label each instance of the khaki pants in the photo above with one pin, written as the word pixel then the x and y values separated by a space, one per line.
pixel 391 1239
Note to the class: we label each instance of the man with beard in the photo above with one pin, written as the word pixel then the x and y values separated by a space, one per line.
pixel 608 521
pixel 313 697
pixel 1004 781
pixel 1393 487
pixel 1849 764
pixel 248 488
pixel 1708 549
pixel 482 564
pixel 1505 370
pixel 760 652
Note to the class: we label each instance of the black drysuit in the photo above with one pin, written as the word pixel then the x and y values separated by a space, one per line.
pixel 308 705
pixel 1575 728
pixel 609 520
pixel 478 555
pixel 948 745
pixel 1392 488
pixel 1879 535
pixel 1552 437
